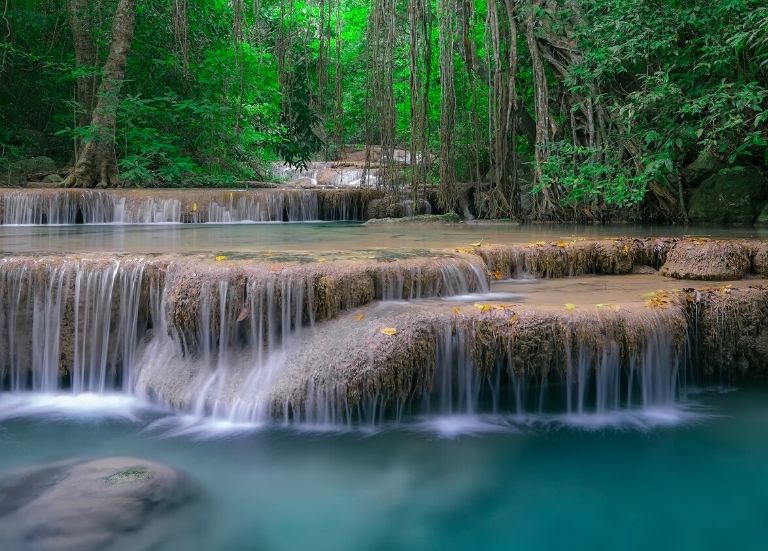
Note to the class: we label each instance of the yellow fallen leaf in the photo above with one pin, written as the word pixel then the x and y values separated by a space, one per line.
pixel 570 306
pixel 496 274
pixel 478 244
pixel 482 307
pixel 194 207
pixel 321 259
pixel 389 331
pixel 360 316
pixel 220 258
pixel 600 305
pixel 456 310
pixel 513 319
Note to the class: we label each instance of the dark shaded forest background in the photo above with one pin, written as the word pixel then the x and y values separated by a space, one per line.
pixel 526 109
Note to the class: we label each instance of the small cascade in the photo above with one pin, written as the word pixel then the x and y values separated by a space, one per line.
pixel 69 325
pixel 158 210
pixel 64 206
pixel 22 207
pixel 230 344
pixel 289 206
pixel 330 174
pixel 582 371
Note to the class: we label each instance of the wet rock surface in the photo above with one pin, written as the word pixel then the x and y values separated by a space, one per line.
pixel 110 503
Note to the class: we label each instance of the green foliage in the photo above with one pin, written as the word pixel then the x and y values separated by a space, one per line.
pixel 587 177
pixel 218 104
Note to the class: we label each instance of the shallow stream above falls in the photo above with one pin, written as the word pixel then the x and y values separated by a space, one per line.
pixel 314 236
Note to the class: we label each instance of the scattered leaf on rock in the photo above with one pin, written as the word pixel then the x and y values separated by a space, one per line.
pixel 360 316
pixel 658 299
pixel 389 331
pixel 570 306
pixel 220 258
pixel 483 307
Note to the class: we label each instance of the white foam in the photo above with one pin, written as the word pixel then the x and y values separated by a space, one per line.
pixel 71 406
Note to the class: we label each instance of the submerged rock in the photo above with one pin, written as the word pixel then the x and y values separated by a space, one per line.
pixel 114 502
pixel 729 197
pixel 449 218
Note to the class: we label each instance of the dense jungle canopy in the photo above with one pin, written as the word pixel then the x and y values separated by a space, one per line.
pixel 523 109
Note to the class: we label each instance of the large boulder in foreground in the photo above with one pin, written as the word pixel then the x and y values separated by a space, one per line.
pixel 729 197
pixel 114 502
pixel 708 260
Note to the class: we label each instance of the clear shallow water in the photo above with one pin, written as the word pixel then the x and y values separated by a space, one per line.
pixel 328 236
pixel 699 484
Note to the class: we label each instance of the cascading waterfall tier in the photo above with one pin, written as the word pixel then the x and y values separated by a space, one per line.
pixel 64 206
pixel 80 323
pixel 500 360
pixel 336 342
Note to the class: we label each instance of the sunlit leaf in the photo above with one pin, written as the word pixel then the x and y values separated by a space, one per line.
pixel 389 331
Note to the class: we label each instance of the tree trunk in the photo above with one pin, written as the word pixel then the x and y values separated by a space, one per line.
pixel 82 23
pixel 97 163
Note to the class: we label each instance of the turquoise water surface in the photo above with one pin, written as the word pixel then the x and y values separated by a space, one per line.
pixel 695 482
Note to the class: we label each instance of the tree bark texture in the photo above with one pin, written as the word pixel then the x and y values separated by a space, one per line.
pixel 97 164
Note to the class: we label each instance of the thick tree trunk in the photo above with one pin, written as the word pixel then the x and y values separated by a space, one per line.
pixel 81 22
pixel 97 163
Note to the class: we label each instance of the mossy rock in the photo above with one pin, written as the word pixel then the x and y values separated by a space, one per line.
pixel 732 196
pixel 762 218
pixel 18 172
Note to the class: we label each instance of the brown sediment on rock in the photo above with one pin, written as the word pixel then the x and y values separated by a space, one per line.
pixel 706 259
pixel 730 331
pixel 69 206
pixel 378 373
pixel 574 257
pixel 679 258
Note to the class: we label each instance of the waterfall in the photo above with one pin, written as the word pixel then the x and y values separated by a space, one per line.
pixel 63 206
pixel 583 371
pixel 69 325
pixel 242 341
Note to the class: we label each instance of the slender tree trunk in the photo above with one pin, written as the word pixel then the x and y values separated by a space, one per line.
pixel 81 22
pixel 97 163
